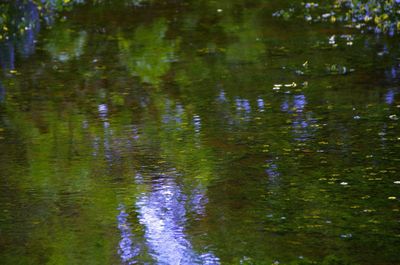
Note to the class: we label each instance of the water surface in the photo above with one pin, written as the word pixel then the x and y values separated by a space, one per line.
pixel 203 132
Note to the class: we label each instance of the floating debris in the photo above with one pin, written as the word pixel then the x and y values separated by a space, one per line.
pixel 326 15
pixel 346 236
pixel 310 5
pixel 331 40
pixel 376 16
pixel 293 84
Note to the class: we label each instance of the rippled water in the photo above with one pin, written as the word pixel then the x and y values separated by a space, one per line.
pixel 203 132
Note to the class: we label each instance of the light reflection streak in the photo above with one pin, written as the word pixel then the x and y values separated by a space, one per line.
pixel 163 213
pixel 103 115
pixel 272 171
pixel 2 93
pixel 128 249
pixel 179 110
pixel 197 123
pixel 243 108
pixel 222 96
pixel 389 97
pixel 301 120
pixel 260 104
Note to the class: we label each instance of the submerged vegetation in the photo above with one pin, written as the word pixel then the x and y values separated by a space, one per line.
pixel 370 15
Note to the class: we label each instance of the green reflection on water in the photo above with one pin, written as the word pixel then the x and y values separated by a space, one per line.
pixel 200 133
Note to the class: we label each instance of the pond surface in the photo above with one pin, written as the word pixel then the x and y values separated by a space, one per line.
pixel 197 132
